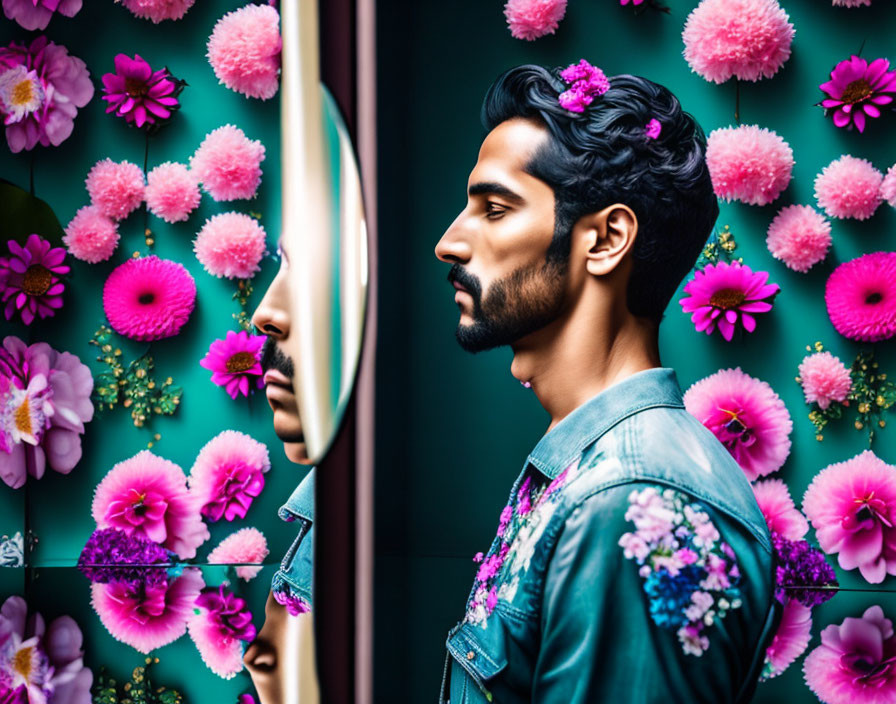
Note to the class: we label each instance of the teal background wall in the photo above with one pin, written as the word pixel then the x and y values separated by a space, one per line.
pixel 59 506
pixel 453 430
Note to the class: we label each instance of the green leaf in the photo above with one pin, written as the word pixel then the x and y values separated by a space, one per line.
pixel 24 214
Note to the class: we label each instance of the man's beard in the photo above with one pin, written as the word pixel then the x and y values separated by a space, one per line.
pixel 516 305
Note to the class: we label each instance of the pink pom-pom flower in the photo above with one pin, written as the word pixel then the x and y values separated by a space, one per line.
pixel 231 245
pixel 228 474
pixel 149 298
pixel 244 50
pixel 531 19
pixel 91 236
pixel 748 163
pixel 147 495
pixel 790 640
pixel 860 295
pixel 722 294
pixel 747 417
pixel 172 192
pixel 824 378
pixel 780 513
pixel 888 186
pixel 849 187
pixel 852 506
pixel 158 10
pixel 245 547
pixel 220 628
pixel 147 616
pixel 799 236
pixel 857 89
pixel 854 663
pixel 746 39
pixel 116 188
pixel 228 164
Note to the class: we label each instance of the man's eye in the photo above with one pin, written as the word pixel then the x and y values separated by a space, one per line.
pixel 493 211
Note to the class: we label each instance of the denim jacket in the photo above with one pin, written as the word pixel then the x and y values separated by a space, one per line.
pixel 291 584
pixel 575 603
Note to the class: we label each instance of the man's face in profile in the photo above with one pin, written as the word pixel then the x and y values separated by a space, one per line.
pixel 506 288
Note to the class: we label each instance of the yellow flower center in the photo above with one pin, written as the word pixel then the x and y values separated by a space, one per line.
pixel 22 418
pixel 21 662
pixel 726 298
pixel 37 280
pixel 240 362
pixel 857 91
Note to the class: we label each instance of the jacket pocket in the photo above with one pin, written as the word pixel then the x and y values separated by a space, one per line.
pixel 481 653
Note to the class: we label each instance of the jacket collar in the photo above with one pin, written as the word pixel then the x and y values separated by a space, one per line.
pixel 648 388
pixel 300 504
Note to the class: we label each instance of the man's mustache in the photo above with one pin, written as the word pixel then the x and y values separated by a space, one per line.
pixel 465 279
pixel 273 358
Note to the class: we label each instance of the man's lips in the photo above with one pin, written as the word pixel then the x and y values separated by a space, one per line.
pixel 275 378
pixel 459 286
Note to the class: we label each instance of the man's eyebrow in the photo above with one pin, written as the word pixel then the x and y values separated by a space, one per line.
pixel 493 188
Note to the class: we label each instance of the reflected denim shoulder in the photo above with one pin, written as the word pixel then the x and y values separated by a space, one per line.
pixel 291 584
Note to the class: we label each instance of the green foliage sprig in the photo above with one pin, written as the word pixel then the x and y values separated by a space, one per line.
pixel 138 690
pixel 720 246
pixel 243 293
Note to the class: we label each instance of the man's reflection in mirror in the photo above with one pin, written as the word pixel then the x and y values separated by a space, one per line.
pixel 290 597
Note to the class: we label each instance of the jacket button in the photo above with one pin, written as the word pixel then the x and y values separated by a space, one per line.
pixel 471 655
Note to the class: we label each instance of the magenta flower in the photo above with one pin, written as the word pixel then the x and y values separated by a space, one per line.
pixel 39 663
pixel 30 279
pixel 790 640
pixel 145 615
pixel 856 661
pixel 235 362
pixel 852 506
pixel 857 88
pixel 220 630
pixel 747 417
pixel 722 294
pixel 228 474
pixel 147 496
pixel 586 82
pixel 860 295
pixel 41 89
pixel 141 96
pixel 44 403
pixel 36 14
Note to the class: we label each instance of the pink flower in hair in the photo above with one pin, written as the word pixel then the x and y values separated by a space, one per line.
pixel 147 615
pixel 852 506
pixel 246 546
pixel 147 495
pixel 531 19
pixel 780 513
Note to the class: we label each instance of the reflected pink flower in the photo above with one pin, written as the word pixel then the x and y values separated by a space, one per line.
pixel 247 545
pixel 36 14
pixel 141 96
pixel 723 295
pixel 790 640
pixel 220 630
pixel 147 495
pixel 778 509
pixel 31 279
pixel 145 615
pixel 856 661
pixel 39 103
pixel 857 89
pixel 235 362
pixel 852 506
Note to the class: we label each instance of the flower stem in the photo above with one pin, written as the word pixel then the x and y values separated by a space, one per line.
pixel 31 173
pixel 737 100
pixel 147 233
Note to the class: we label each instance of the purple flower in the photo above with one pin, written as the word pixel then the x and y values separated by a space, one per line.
pixel 802 572
pixel 228 612
pixel 141 96
pixel 524 502
pixel 41 89
pixel 653 128
pixel 294 604
pixel 586 82
pixel 36 14
pixel 857 88
pixel 108 550
pixel 504 521
pixel 30 279
pixel 44 403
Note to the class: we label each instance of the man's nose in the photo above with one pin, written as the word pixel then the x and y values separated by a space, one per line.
pixel 455 244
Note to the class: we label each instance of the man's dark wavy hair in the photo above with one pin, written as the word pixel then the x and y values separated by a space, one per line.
pixel 602 156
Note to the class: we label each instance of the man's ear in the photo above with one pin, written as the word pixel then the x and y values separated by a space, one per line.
pixel 605 237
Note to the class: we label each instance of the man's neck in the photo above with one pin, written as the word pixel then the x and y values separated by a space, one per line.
pixel 575 358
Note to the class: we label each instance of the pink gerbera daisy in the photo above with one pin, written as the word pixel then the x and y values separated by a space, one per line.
pixel 147 495
pixel 244 51
pixel 245 547
pixel 799 236
pixel 531 19
pixel 220 628
pixel 780 513
pixel 143 97
pixel 824 378
pixel 117 189
pixel 748 163
pixel 790 640
pixel 147 615
pixel 852 506
pixel 230 245
pixel 91 236
pixel 849 187
pixel 857 88
pixel 861 297
pixel 235 362
pixel 149 298
pixel 228 164
pixel 228 474
pixel 747 416
pixel 31 279
pixel 722 294
pixel 854 663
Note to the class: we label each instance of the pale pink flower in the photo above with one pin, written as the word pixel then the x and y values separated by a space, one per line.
pixel 231 245
pixel 245 546
pixel 849 187
pixel 91 236
pixel 748 163
pixel 778 509
pixel 824 379
pixel 531 19
pixel 172 192
pixel 790 640
pixel 228 164
pixel 116 188
pixel 244 51
pixel 799 236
